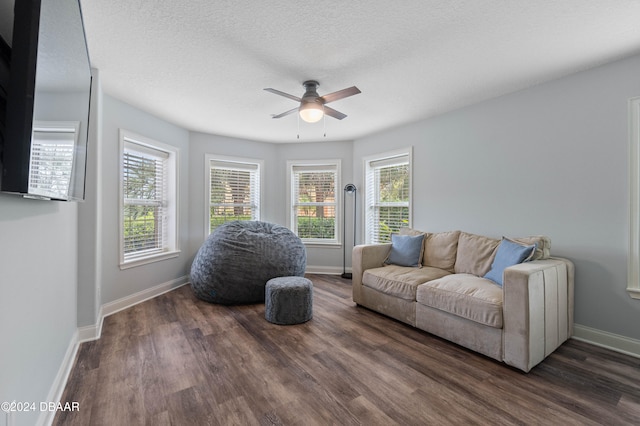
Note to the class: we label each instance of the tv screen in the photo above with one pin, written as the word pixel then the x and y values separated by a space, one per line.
pixel 46 118
pixel 5 56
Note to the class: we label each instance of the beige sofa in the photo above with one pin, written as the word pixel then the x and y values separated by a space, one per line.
pixel 519 323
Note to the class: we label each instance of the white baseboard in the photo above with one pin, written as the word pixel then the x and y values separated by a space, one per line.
pixel 614 342
pixel 142 296
pixel 327 270
pixel 60 382
pixel 93 332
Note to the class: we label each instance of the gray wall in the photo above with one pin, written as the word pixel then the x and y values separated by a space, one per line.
pixel 38 282
pixel 202 144
pixel 274 186
pixel 548 160
pixel 117 283
pixel 327 259
pixel 38 263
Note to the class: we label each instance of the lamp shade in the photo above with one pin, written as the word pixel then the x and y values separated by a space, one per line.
pixel 311 112
pixel 350 188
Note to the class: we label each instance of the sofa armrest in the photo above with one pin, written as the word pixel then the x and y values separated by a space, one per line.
pixel 363 257
pixel 537 310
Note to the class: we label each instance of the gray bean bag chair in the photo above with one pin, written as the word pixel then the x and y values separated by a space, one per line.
pixel 236 261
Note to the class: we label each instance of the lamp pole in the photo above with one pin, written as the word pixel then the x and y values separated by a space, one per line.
pixel 348 189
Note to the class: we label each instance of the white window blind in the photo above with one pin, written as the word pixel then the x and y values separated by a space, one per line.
pixel 314 202
pixel 388 197
pixel 234 192
pixel 51 165
pixel 145 200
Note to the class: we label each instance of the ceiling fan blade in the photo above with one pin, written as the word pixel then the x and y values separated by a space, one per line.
pixel 291 111
pixel 333 113
pixel 340 94
pixel 286 95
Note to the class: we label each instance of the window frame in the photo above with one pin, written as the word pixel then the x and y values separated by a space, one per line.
pixel 633 262
pixel 48 128
pixel 171 247
pixel 208 158
pixel 368 169
pixel 291 193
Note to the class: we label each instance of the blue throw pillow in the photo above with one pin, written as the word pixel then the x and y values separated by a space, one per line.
pixel 406 250
pixel 509 253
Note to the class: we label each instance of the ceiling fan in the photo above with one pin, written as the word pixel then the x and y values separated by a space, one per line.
pixel 313 106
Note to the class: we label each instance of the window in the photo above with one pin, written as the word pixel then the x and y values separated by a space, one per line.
pixel 234 190
pixel 633 274
pixel 148 197
pixel 51 166
pixel 387 195
pixel 313 203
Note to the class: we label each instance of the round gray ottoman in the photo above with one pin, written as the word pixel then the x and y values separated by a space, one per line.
pixel 288 300
pixel 238 258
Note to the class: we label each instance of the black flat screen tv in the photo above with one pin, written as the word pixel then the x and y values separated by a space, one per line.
pixel 45 94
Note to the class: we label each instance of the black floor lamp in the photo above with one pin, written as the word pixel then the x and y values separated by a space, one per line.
pixel 348 189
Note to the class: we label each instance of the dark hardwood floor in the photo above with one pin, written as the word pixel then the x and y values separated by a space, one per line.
pixel 175 360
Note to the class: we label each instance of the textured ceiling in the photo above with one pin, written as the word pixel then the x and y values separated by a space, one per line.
pixel 203 64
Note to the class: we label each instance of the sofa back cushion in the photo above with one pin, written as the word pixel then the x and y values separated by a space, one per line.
pixel 440 250
pixel 542 243
pixel 405 230
pixel 475 254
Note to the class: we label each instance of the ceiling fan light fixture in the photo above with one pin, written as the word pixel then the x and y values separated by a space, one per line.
pixel 313 107
pixel 311 112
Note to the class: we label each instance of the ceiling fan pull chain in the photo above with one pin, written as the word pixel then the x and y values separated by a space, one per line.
pixel 324 121
pixel 298 125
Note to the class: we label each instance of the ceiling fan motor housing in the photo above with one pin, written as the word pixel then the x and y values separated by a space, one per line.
pixel 311 94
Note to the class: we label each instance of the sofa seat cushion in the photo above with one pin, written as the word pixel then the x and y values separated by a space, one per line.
pixel 400 281
pixel 465 295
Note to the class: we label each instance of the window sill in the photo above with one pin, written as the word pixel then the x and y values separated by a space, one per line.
pixel 318 244
pixel 149 259
pixel 634 292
